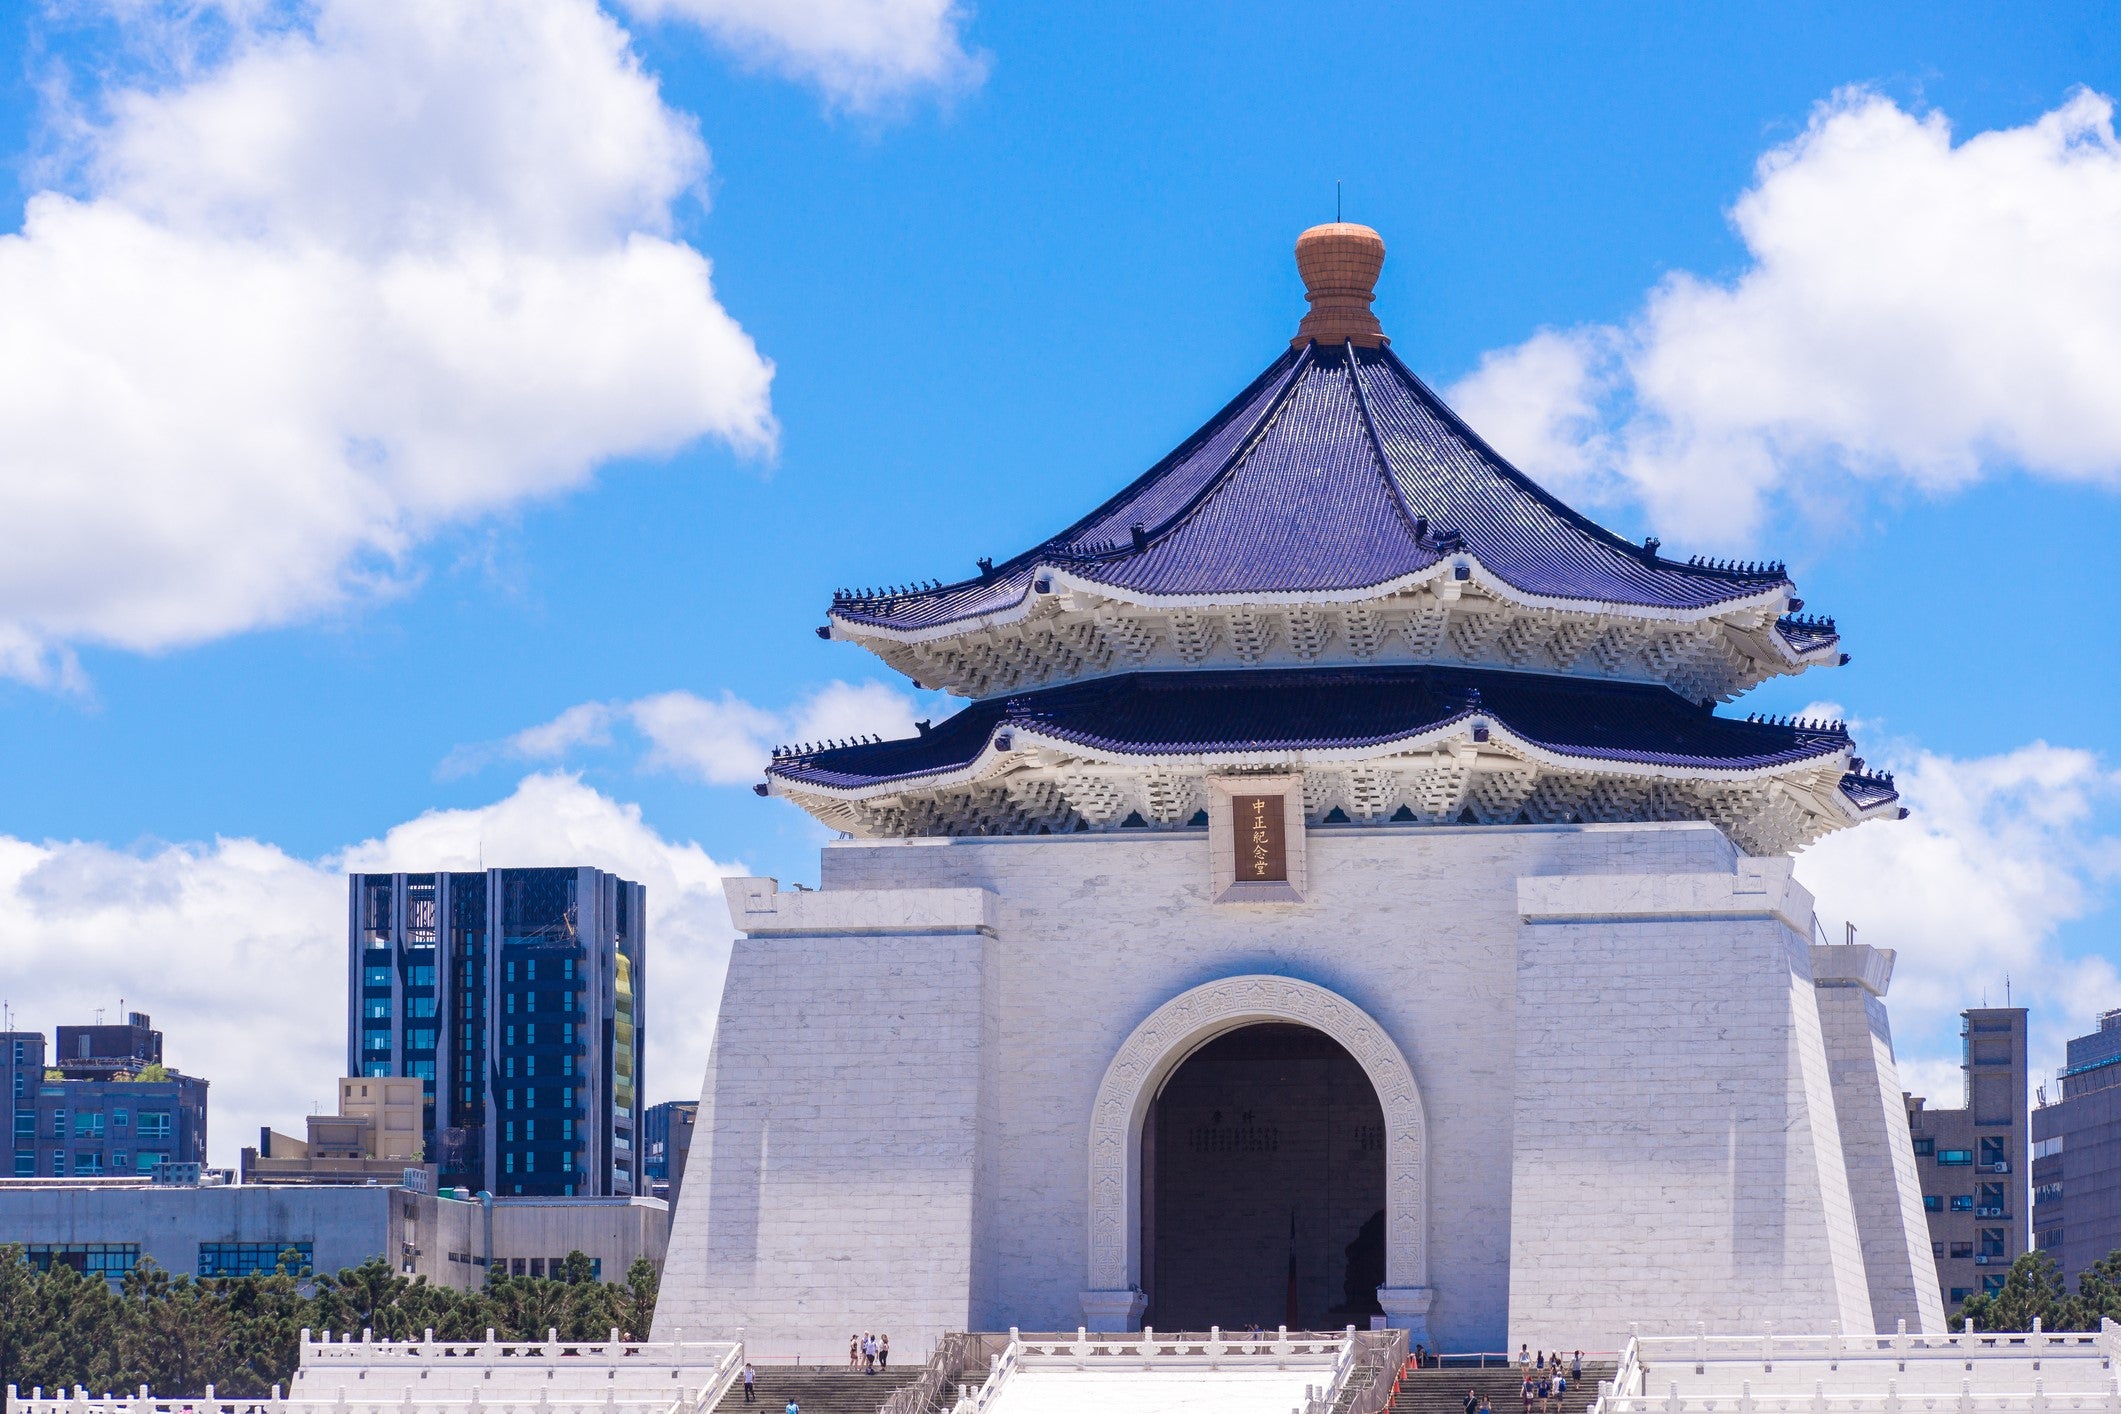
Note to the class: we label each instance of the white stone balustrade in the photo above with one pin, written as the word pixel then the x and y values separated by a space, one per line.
pixel 2036 1372
pixel 429 1376
pixel 1120 1373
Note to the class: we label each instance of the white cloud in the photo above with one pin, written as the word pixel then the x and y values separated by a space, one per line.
pixel 1912 312
pixel 860 52
pixel 1998 856
pixel 355 281
pixel 238 949
pixel 725 741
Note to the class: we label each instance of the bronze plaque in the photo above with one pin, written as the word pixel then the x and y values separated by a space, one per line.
pixel 1262 839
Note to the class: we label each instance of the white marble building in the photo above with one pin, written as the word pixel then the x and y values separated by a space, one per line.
pixel 1340 898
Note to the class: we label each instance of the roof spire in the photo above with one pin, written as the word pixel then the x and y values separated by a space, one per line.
pixel 1339 263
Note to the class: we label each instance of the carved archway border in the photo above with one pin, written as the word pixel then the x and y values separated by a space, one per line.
pixel 1181 1026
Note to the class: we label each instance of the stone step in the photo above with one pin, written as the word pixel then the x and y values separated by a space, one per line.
pixel 818 1391
pixel 1444 1391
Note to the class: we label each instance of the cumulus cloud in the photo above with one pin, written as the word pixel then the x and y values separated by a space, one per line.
pixel 238 948
pixel 1999 856
pixel 861 53
pixel 1912 311
pixel 716 741
pixel 355 280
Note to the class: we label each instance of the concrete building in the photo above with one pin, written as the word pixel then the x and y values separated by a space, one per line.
pixel 2076 1153
pixel 233 1230
pixel 374 1136
pixel 517 996
pixel 1973 1160
pixel 112 1109
pixel 667 1132
pixel 1340 898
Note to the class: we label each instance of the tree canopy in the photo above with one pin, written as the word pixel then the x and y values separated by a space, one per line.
pixel 2033 1289
pixel 177 1334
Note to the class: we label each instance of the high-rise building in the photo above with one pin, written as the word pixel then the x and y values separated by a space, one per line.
pixel 516 995
pixel 666 1137
pixel 2077 1132
pixel 1972 1161
pixel 102 1105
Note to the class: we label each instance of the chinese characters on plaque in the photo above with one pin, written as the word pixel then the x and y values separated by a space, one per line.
pixel 1261 839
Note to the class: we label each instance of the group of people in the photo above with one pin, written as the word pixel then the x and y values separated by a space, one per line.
pixel 869 1353
pixel 1544 1381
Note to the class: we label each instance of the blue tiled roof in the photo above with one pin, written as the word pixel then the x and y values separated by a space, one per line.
pixel 1277 709
pixel 1337 469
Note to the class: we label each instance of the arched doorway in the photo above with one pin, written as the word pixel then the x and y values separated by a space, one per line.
pixel 1112 1297
pixel 1263 1186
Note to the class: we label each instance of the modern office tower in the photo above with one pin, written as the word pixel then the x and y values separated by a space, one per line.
pixel 1972 1161
pixel 2077 1132
pixel 516 995
pixel 666 1138
pixel 94 1108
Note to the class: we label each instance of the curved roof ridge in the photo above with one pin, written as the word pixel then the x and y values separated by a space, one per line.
pixel 1407 513
pixel 1553 504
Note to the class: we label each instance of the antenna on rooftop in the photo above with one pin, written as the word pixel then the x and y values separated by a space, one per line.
pixel 1336 199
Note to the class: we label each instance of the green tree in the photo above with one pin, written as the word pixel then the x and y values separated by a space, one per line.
pixel 71 1335
pixel 18 1299
pixel 633 1303
pixel 2032 1289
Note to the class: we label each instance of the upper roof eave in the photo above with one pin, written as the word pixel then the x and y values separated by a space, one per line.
pixel 1761 600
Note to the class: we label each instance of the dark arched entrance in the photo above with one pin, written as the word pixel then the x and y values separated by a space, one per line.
pixel 1263 1186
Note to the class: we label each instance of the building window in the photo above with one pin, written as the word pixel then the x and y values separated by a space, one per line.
pixel 1962 1202
pixel 1960 1293
pixel 1962 1249
pixel 120 1116
pixel 88 1124
pixel 2047 1193
pixel 1936 1249
pixel 1992 1283
pixel 1925 1146
pixel 110 1260
pixel 2047 1148
pixel 2047 1238
pixel 1992 1200
pixel 1995 1153
pixel 376 1008
pixel 25 1124
pixel 88 1165
pixel 419 1006
pixel 59 1122
pixel 376 977
pixel 118 1161
pixel 242 1259
pixel 567 1161
pixel 155 1124
pixel 1955 1157
pixel 508 1162
pixel 26 1164
pixel 146 1163
pixel 1992 1242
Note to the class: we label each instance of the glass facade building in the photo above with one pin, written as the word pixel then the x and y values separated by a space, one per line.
pixel 516 996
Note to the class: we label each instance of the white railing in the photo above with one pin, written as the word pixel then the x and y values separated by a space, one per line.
pixel 1331 1353
pixel 1963 1372
pixel 368 1376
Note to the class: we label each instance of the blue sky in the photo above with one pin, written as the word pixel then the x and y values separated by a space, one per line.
pixel 375 406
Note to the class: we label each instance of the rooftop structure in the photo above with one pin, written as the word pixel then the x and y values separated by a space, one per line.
pixel 1433 637
pixel 375 1135
pixel 103 1105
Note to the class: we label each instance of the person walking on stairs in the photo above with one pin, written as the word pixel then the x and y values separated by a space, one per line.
pixel 883 1352
pixel 1472 1402
pixel 751 1394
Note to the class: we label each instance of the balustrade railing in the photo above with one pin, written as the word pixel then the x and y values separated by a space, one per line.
pixel 1333 1353
pixel 367 1376
pixel 1960 1372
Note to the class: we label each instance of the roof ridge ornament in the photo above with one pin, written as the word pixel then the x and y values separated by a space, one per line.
pixel 1339 262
